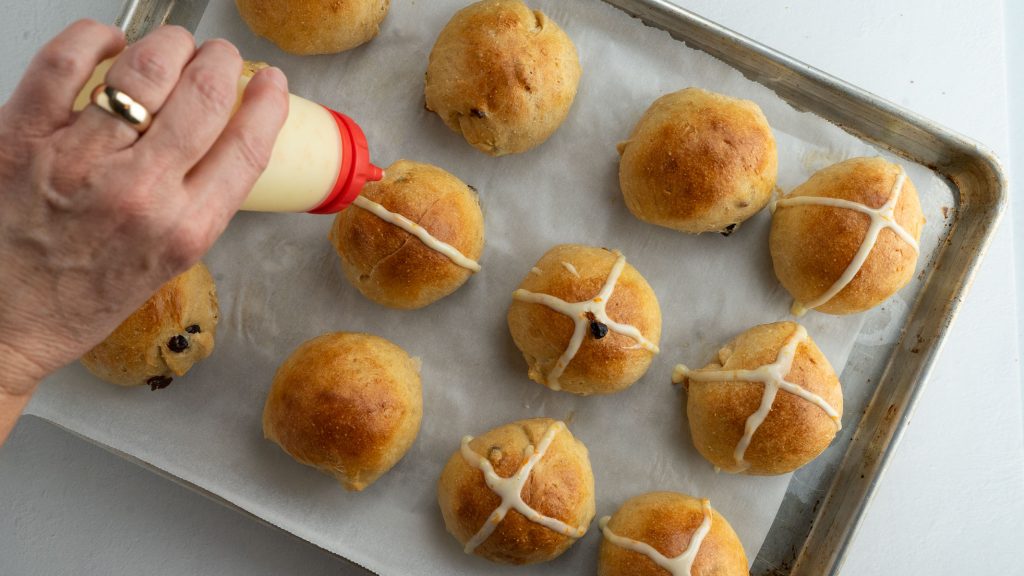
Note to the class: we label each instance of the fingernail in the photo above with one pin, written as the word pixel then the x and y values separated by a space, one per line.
pixel 225 43
pixel 275 75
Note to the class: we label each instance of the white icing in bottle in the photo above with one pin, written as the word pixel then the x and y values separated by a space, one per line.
pixel 510 490
pixel 418 231
pixel 681 565
pixel 774 378
pixel 881 218
pixel 583 313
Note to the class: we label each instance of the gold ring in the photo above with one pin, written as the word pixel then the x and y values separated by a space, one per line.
pixel 123 106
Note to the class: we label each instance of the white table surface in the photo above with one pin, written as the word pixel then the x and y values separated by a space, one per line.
pixel 952 502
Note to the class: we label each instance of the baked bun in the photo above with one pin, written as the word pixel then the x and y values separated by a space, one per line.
pixel 541 494
pixel 314 26
pixel 164 338
pixel 669 534
pixel 385 261
pixel 698 162
pixel 744 419
pixel 503 76
pixel 864 220
pixel 347 404
pixel 585 320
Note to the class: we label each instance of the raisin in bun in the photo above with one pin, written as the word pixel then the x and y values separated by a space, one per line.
pixel 164 338
pixel 347 404
pixel 864 219
pixel 314 26
pixel 385 261
pixel 698 162
pixel 666 534
pixel 735 422
pixel 502 75
pixel 585 320
pixel 542 475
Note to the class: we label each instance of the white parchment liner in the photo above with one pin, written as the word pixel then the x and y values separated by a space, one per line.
pixel 280 284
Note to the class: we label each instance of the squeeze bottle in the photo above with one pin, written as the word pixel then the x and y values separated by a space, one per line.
pixel 319 163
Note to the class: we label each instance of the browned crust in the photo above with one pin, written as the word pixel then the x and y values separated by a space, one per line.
pixel 698 162
pixel 348 404
pixel 837 235
pixel 314 26
pixel 138 350
pixel 502 75
pixel 561 486
pixel 667 521
pixel 392 267
pixel 794 432
pixel 603 366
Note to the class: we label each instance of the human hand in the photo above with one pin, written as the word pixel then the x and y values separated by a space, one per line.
pixel 95 217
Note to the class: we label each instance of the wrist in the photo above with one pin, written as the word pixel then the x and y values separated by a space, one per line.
pixel 19 374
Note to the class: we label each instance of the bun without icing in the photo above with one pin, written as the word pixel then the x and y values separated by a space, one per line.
pixel 559 487
pixel 698 162
pixel 390 266
pixel 837 233
pixel 502 75
pixel 347 404
pixel 670 523
pixel 314 26
pixel 164 338
pixel 609 358
pixel 795 430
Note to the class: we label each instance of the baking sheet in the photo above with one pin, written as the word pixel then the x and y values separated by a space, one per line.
pixel 280 285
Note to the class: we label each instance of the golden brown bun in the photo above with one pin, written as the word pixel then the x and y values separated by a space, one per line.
pixel 164 338
pixel 698 162
pixel 314 26
pixel 503 76
pixel 561 486
pixel 795 431
pixel 837 234
pixel 666 521
pixel 394 268
pixel 603 366
pixel 347 404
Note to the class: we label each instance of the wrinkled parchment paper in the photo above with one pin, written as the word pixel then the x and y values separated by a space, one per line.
pixel 280 284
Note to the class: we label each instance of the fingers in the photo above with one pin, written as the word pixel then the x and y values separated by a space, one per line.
pixel 147 71
pixel 43 99
pixel 198 109
pixel 223 179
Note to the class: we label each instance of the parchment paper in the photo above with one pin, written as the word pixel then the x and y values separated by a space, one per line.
pixel 280 284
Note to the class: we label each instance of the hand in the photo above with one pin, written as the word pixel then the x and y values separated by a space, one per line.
pixel 94 218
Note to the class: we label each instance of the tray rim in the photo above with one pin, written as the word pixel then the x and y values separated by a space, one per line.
pixel 974 172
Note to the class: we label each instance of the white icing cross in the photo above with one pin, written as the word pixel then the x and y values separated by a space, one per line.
pixel 881 218
pixel 583 313
pixel 418 231
pixel 774 378
pixel 510 490
pixel 681 565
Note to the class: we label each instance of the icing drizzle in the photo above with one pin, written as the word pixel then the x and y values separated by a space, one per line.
pixel 583 313
pixel 881 218
pixel 418 231
pixel 510 490
pixel 773 376
pixel 681 565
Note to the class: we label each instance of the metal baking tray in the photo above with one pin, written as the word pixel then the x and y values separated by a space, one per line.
pixel 826 500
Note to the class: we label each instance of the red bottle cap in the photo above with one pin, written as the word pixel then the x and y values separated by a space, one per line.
pixel 356 169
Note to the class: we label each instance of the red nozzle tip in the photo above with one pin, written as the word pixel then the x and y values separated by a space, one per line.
pixel 356 168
